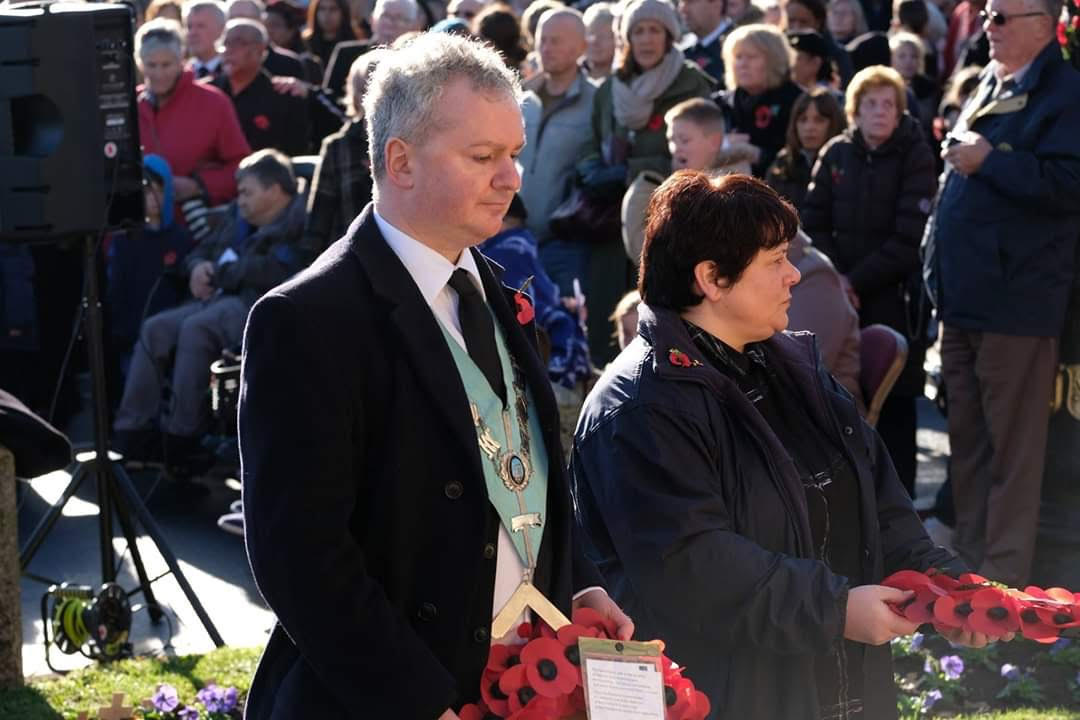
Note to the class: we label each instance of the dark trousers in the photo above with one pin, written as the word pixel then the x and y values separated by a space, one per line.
pixel 897 426
pixel 999 409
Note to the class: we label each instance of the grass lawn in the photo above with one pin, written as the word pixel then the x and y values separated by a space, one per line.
pixel 87 690
pixel 56 698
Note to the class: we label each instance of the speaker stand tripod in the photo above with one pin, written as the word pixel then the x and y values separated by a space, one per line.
pixel 115 491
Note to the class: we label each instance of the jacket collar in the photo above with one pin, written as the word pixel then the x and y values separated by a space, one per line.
pixel 1045 62
pixel 420 341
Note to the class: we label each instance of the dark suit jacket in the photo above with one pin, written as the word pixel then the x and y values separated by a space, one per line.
pixel 369 529
pixel 283 63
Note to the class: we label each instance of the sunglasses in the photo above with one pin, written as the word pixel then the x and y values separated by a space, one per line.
pixel 1000 19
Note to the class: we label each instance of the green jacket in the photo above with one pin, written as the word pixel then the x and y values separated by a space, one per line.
pixel 647 147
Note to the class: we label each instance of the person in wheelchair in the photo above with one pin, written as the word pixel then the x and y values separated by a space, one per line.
pixel 257 246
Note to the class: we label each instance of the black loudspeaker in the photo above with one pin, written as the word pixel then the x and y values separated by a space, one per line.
pixel 70 161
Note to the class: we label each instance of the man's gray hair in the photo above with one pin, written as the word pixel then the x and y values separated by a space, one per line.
pixel 159 34
pixel 214 7
pixel 403 92
pixel 258 5
pixel 412 5
pixel 255 29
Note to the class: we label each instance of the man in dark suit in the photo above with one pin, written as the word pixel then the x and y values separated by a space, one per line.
pixel 708 21
pixel 375 529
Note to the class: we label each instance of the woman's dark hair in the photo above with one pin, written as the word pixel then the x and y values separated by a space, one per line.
pixel 693 218
pixel 825 103
pixel 818 9
pixel 313 35
pixel 626 67
pixel 499 27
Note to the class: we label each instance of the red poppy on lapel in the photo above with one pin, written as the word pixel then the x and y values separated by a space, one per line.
pixel 170 258
pixel 763 116
pixel 680 359
pixel 262 122
pixel 656 122
pixel 525 311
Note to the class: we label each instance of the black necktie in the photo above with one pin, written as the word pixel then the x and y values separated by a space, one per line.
pixel 478 330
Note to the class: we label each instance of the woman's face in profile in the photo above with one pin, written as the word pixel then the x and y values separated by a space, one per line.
pixel 756 306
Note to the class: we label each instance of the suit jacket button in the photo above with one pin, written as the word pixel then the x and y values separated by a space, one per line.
pixel 481 635
pixel 453 490
pixel 848 430
pixel 428 612
pixel 489 551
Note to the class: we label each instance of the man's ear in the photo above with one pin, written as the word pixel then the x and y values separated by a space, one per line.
pixel 399 166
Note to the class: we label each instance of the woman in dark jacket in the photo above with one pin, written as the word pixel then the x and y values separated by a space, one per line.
pixel 757 59
pixel 816 118
pixel 734 501
pixel 329 22
pixel 866 209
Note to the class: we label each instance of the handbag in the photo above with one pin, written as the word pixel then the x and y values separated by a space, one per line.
pixel 583 217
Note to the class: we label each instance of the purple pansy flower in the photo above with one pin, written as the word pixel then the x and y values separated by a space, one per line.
pixel 916 641
pixel 1060 645
pixel 228 697
pixel 188 713
pixel 1010 672
pixel 952 666
pixel 165 699
pixel 930 699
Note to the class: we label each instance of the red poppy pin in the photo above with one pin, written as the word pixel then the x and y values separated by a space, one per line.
pixel 702 62
pixel 656 122
pixel 763 116
pixel 262 122
pixel 837 175
pixel 169 259
pixel 525 311
pixel 681 359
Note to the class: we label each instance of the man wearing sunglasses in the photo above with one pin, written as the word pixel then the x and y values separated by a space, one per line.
pixel 999 262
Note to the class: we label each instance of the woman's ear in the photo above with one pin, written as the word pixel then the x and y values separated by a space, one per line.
pixel 706 281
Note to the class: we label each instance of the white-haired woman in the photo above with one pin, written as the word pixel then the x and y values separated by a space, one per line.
pixel 192 125
pixel 758 104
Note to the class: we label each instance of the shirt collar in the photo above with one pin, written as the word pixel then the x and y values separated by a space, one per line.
pixel 720 30
pixel 211 64
pixel 1017 77
pixel 429 270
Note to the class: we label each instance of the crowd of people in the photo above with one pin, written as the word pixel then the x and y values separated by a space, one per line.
pixel 882 127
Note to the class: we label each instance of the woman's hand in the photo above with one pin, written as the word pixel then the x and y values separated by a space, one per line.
pixel 870 619
pixel 599 601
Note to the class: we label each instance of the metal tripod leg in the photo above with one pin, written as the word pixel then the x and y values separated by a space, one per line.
pixel 42 530
pixel 128 530
pixel 123 484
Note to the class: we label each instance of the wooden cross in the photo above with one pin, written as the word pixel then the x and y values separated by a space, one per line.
pixel 116 711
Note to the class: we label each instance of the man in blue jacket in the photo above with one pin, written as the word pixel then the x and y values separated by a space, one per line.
pixel 999 261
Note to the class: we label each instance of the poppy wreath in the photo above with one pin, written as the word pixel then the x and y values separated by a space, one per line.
pixel 541 680
pixel 974 604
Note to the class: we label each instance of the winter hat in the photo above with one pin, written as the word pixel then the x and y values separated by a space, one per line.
pixel 658 10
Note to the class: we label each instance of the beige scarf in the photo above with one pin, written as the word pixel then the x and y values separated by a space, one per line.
pixel 633 102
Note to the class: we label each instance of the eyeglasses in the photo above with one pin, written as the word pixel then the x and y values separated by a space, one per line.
pixel 1000 19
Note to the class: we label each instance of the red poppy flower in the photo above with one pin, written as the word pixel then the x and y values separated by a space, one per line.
pixel 577 699
pixel 684 702
pixel 547 669
pixel 907 580
pixel 590 618
pixel 656 122
pixel 763 116
pixel 1063 39
pixel 950 613
pixel 994 613
pixel 920 608
pixel 525 312
pixel 501 658
pixel 170 259
pixel 262 122
pixel 542 708
pixel 1034 627
pixel 515 685
pixel 473 711
pixel 1076 22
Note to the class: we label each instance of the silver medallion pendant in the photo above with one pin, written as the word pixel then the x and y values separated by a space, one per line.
pixel 515 472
